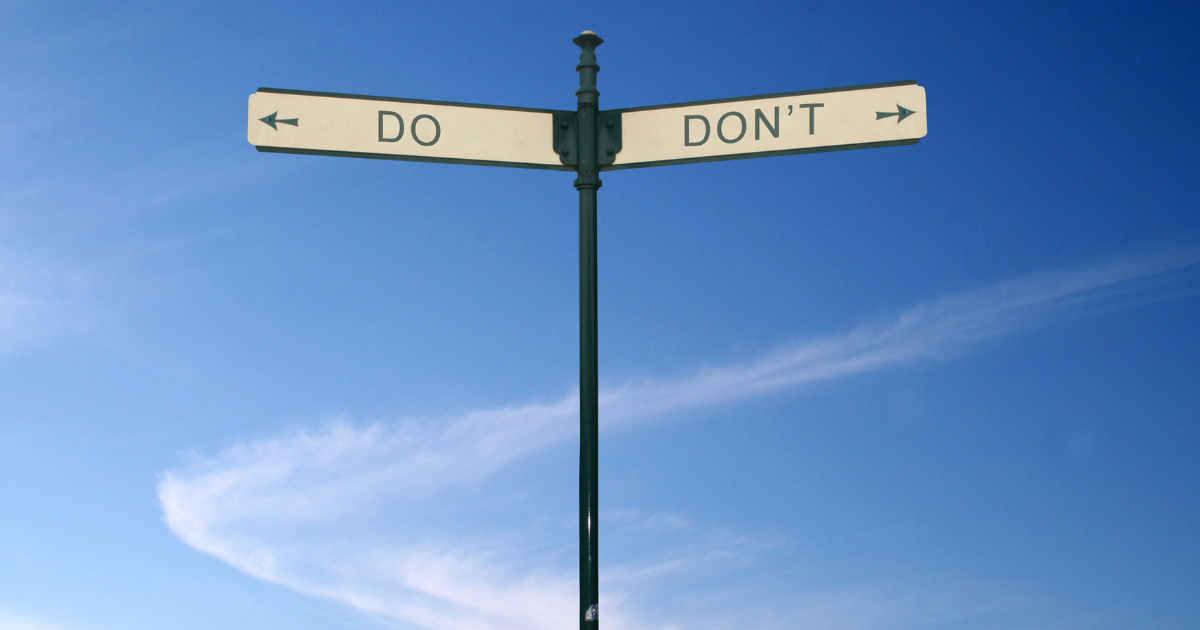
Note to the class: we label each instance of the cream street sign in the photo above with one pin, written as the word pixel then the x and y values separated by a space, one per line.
pixel 859 117
pixel 349 125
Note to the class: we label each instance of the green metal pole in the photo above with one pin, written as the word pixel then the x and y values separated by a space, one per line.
pixel 587 183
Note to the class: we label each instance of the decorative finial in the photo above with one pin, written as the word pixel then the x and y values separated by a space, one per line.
pixel 588 39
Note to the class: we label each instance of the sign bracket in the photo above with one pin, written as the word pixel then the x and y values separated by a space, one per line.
pixel 566 143
pixel 608 138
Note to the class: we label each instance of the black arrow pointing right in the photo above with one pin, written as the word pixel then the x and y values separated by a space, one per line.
pixel 901 114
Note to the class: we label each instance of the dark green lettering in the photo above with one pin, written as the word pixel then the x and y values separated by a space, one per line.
pixel 722 120
pixel 687 128
pixel 774 129
pixel 811 122
pixel 437 130
pixel 399 134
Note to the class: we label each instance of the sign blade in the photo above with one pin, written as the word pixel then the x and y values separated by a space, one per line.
pixel 859 117
pixel 351 125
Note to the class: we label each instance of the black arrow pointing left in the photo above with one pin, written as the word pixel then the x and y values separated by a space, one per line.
pixel 271 120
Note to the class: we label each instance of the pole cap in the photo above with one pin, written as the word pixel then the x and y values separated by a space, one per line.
pixel 588 39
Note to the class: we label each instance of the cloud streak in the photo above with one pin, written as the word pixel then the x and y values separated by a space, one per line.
pixel 40 302
pixel 10 620
pixel 303 510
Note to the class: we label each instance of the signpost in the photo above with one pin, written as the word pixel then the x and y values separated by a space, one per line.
pixel 587 141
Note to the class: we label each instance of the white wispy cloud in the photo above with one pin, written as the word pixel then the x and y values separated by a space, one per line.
pixel 303 510
pixel 10 620
pixel 62 275
pixel 41 301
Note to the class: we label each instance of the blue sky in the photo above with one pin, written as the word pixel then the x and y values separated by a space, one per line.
pixel 949 385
